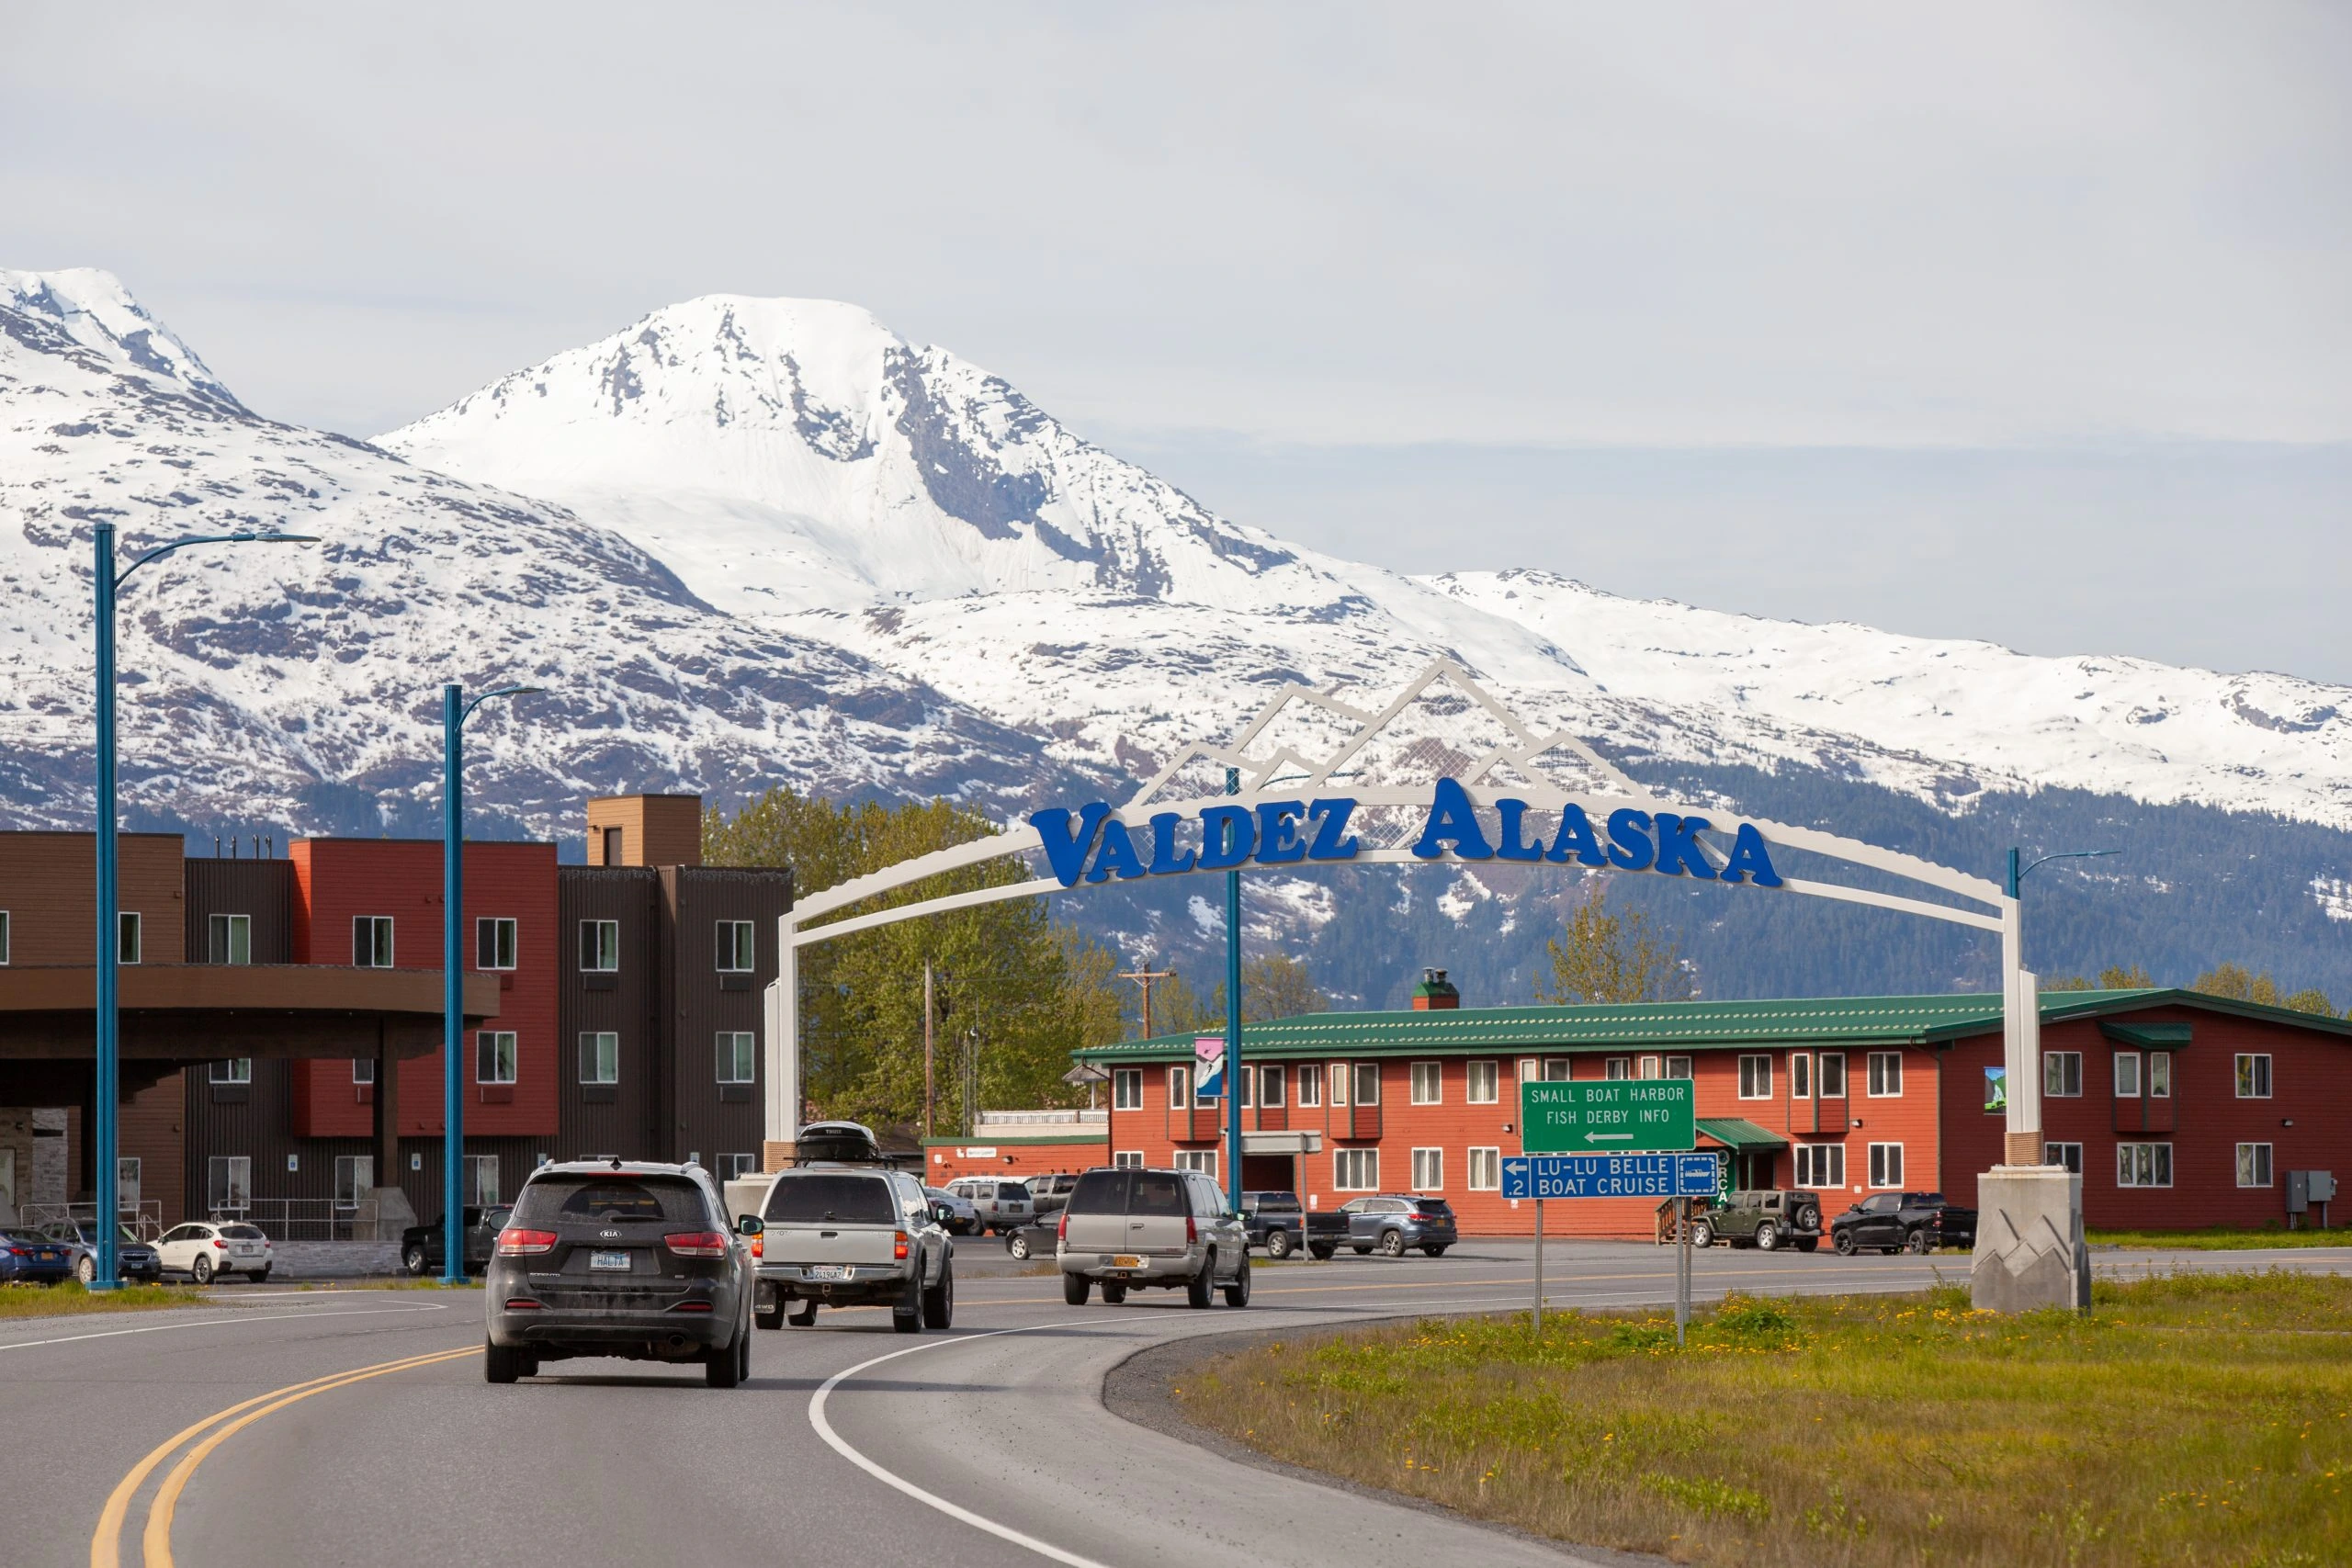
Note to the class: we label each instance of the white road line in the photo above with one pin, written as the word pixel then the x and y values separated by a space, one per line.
pixel 214 1322
pixel 954 1511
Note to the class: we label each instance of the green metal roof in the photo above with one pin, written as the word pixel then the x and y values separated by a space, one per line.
pixel 2147 1036
pixel 1622 1026
pixel 1736 1133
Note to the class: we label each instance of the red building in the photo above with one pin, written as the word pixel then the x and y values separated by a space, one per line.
pixel 2180 1108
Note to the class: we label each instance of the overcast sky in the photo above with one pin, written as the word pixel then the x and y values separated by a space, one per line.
pixel 2026 323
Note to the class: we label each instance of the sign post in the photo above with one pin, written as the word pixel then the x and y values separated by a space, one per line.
pixel 1539 1268
pixel 1612 1139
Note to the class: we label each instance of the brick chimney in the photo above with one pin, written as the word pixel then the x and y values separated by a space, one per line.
pixel 1435 992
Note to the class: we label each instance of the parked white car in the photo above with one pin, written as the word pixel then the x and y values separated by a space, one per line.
pixel 203 1249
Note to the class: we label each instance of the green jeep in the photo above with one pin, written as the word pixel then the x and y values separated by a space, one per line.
pixel 1765 1219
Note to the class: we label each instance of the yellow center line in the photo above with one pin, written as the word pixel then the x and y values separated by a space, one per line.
pixel 105 1541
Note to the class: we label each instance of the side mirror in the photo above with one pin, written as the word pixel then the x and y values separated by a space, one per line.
pixel 942 1212
pixel 749 1224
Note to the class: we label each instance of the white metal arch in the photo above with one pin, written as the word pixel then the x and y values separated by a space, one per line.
pixel 1277 772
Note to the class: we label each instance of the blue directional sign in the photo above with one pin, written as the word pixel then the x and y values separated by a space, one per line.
pixel 1612 1176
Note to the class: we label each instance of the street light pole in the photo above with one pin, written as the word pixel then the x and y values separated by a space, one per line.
pixel 2022 1144
pixel 1233 1017
pixel 106 1070
pixel 454 711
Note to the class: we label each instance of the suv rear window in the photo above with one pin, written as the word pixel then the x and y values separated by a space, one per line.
pixel 1011 1189
pixel 817 1197
pixel 1158 1193
pixel 243 1233
pixel 1432 1206
pixel 1101 1192
pixel 586 1199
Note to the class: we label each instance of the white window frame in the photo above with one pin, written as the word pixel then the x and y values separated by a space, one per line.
pixel 1127 1159
pixel 1273 1086
pixel 2251 1076
pixel 1485 1170
pixel 1355 1170
pixel 499 938
pixel 1559 1070
pixel 1426 1081
pixel 2131 1165
pixel 2057 1154
pixel 363 1071
pixel 1749 1083
pixel 1365 1073
pixel 231 1177
pixel 2255 1164
pixel 1310 1084
pixel 2159 1074
pixel 2061 1069
pixel 373 935
pixel 504 1061
pixel 238 1070
pixel 734 1167
pixel 596 956
pixel 3 937
pixel 1482 1082
pixel 600 1054
pixel 1885 1067
pixel 737 947
pixel 1820 1167
pixel 1617 1069
pixel 1829 1075
pixel 129 928
pixel 1684 1071
pixel 1337 1078
pixel 1886 1168
pixel 226 936
pixel 1530 1070
pixel 482 1193
pixel 1245 1081
pixel 1647 1068
pixel 1180 1087
pixel 1126 1089
pixel 1201 1160
pixel 1429 1170
pixel 1800 1077
pixel 736 1052
pixel 2126 1067
pixel 355 1176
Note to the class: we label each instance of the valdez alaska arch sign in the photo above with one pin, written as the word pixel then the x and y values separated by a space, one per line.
pixel 1441 772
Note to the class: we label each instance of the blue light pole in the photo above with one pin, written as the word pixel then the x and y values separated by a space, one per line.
pixel 2016 875
pixel 454 711
pixel 1233 1017
pixel 104 1132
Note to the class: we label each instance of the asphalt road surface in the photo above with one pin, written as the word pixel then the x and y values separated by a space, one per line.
pixel 354 1427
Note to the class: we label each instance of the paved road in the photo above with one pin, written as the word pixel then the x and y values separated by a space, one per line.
pixel 989 1444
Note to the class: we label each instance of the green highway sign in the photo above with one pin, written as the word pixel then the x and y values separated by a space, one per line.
pixel 1611 1116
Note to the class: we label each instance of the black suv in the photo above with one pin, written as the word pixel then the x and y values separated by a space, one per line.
pixel 613 1258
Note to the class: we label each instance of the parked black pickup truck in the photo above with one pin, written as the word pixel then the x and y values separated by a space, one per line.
pixel 1906 1222
pixel 1277 1221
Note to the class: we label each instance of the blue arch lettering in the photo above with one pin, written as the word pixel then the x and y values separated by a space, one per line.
pixel 1629 840
pixel 1453 820
pixel 1278 839
pixel 1332 840
pixel 1228 835
pixel 1749 858
pixel 1508 832
pixel 1575 840
pixel 1678 846
pixel 1117 856
pixel 1067 842
pixel 1165 860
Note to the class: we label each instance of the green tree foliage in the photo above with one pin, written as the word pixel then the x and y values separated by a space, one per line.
pixel 1277 986
pixel 2312 1001
pixel 2114 977
pixel 1605 955
pixel 2236 982
pixel 1016 993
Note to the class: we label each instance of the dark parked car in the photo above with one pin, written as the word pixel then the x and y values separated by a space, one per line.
pixel 1906 1222
pixel 628 1259
pixel 1277 1221
pixel 133 1259
pixel 1395 1224
pixel 28 1258
pixel 421 1245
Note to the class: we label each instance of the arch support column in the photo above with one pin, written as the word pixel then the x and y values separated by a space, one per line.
pixel 780 1043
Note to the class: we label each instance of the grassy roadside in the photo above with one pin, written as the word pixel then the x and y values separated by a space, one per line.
pixel 2189 1420
pixel 2219 1238
pixel 71 1298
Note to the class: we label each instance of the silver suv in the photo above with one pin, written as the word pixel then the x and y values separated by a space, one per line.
pixel 839 1235
pixel 1128 1228
pixel 1004 1205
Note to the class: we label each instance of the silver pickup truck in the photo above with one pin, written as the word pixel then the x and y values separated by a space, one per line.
pixel 841 1235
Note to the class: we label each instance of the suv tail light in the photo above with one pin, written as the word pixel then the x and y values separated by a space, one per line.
pixel 697 1244
pixel 1191 1231
pixel 512 1242
pixel 1061 1227
pixel 899 1246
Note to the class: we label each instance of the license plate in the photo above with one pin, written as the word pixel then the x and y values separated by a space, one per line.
pixel 828 1271
pixel 610 1260
pixel 1126 1263
pixel 51 1257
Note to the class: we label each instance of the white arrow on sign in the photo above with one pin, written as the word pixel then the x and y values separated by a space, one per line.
pixel 1608 1138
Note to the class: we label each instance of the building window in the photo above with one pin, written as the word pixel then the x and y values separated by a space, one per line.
pixel 1429 1083
pixel 228 1184
pixel 4 936
pixel 1367 1086
pixel 600 946
pixel 1821 1165
pixel 1429 1170
pixel 1180 1088
pixel 1339 1083
pixel 2061 1074
pixel 1310 1084
pixel 1678 1066
pixel 494 943
pixel 1646 1067
pixel 1202 1160
pixel 482 1180
pixel 355 1175
pixel 236 1069
pixel 599 1057
pixel 1556 1069
pixel 2127 1074
pixel 734 1168
pixel 1127 1159
pixel 2160 1074
pixel 1248 1084
pixel 1481 1082
pixel 1886 1165
pixel 229 939
pixel 2254 1076
pixel 2254 1165
pixel 1885 1073
pixel 1756 1078
pixel 1270 1087
pixel 1530 1070
pixel 1799 1078
pixel 1126 1089
pixel 494 1056
pixel 2143 1165
pixel 1356 1170
pixel 735 1055
pixel 2068 1154
pixel 363 1069
pixel 1618 1067
pixel 737 953
pixel 371 941
pixel 1486 1170
pixel 127 937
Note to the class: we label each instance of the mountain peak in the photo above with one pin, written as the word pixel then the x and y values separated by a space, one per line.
pixel 93 309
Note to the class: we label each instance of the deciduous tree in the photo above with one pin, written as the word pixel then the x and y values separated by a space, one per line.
pixel 1603 955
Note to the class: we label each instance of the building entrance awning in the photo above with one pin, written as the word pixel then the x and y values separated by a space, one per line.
pixel 1281 1143
pixel 1738 1134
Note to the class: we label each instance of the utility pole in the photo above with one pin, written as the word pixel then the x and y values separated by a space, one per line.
pixel 1142 979
pixel 930 1082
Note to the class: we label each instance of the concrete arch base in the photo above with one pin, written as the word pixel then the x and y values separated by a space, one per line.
pixel 2030 1250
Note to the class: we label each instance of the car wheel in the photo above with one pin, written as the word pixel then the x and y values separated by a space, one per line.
pixel 1278 1243
pixel 1324 1253
pixel 1365 1251
pixel 1806 1243
pixel 723 1369
pixel 1919 1241
pixel 259 1276
pixel 1844 1242
pixel 1197 1289
pixel 413 1259
pixel 939 1301
pixel 201 1269
pixel 501 1363
pixel 1701 1234
pixel 1237 1294
pixel 1017 1244
pixel 1075 1288
pixel 1436 1251
pixel 86 1269
pixel 804 1315
pixel 906 1313
pixel 1114 1292
pixel 1768 1235
pixel 1392 1244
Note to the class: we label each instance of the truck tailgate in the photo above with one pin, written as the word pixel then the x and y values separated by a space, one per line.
pixel 794 1244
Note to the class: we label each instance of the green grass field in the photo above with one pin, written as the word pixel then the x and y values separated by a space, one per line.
pixel 56 1301
pixel 2219 1238
pixel 2186 1421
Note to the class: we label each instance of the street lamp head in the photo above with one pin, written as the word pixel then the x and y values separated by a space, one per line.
pixel 273 538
